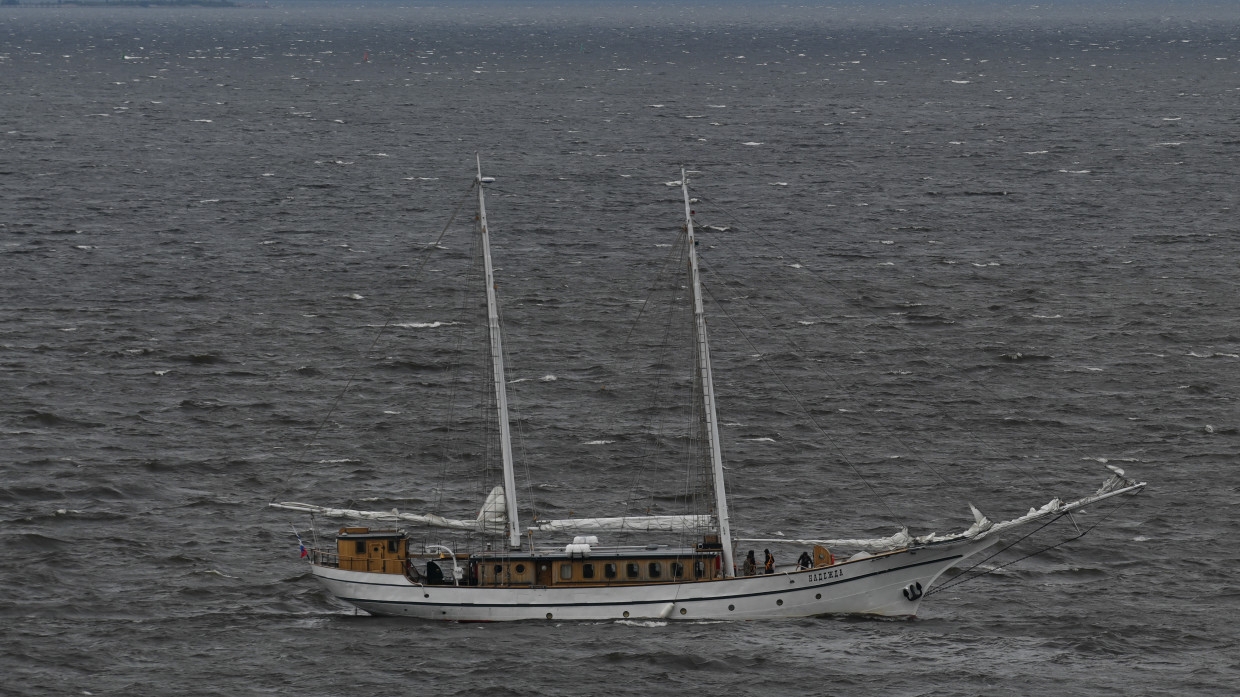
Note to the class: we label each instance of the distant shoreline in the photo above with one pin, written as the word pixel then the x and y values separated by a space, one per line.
pixel 120 3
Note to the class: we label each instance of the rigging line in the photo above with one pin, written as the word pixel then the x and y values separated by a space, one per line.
pixel 378 334
pixel 673 257
pixel 870 414
pixel 800 405
pixel 664 283
pixel 960 371
pixel 466 336
pixel 965 578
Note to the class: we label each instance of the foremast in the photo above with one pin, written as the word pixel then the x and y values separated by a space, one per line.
pixel 497 367
pixel 708 386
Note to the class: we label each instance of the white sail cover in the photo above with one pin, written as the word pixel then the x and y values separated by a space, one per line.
pixel 981 526
pixel 492 517
pixel 650 523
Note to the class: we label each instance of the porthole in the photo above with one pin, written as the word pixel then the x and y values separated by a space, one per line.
pixel 626 614
pixel 818 596
pixel 548 615
pixel 520 568
pixel 731 608
pixel 684 611
pixel 779 602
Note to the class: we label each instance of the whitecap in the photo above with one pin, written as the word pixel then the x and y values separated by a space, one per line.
pixel 421 325
pixel 643 623
pixel 201 121
pixel 548 378
pixel 751 143
pixel 961 82
pixel 355 296
pixel 161 373
pixel 598 442
pixel 763 439
pixel 779 183
pixel 1074 171
pixel 1036 152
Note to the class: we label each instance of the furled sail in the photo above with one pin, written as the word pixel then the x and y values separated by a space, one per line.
pixel 492 518
pixel 650 523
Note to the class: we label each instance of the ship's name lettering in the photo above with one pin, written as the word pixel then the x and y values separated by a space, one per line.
pixel 824 575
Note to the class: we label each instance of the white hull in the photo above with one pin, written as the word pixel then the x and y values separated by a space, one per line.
pixel 873 586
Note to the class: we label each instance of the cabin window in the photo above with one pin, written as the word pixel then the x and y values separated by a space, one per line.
pixel 699 569
pixel 633 570
pixel 678 570
pixel 656 569
pixel 520 568
pixel 359 546
pixel 392 546
pixel 609 570
pixel 499 569
pixel 587 571
pixel 566 572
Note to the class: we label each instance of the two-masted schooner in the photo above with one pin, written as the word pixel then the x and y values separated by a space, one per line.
pixel 561 570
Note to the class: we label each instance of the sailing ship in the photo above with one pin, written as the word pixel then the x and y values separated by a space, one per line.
pixel 541 573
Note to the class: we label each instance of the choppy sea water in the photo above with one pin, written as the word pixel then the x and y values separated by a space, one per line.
pixel 1015 227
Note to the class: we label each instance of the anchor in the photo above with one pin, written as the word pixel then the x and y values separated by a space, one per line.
pixel 913 591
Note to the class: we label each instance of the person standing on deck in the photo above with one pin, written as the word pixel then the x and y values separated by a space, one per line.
pixel 751 565
pixel 769 565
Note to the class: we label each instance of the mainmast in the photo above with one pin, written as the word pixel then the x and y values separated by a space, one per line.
pixel 497 366
pixel 708 386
